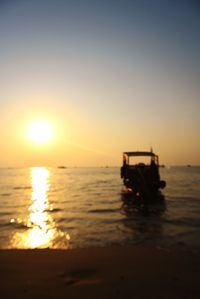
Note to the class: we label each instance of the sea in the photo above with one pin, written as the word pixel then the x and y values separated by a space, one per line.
pixel 65 208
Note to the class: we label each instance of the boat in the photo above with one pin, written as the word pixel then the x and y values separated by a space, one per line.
pixel 143 179
pixel 62 167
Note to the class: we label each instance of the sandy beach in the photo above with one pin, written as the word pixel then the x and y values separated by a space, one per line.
pixel 112 272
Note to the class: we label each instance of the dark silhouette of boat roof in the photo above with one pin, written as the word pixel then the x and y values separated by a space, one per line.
pixel 149 154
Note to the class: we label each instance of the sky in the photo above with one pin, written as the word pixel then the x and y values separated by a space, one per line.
pixel 108 75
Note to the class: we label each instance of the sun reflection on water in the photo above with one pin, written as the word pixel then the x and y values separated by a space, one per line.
pixel 42 230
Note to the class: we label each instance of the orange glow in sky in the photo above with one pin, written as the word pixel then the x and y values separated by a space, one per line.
pixel 84 81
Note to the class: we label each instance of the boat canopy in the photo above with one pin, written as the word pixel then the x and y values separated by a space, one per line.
pixel 137 154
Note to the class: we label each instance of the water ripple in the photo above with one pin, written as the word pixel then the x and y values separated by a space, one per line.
pixel 82 207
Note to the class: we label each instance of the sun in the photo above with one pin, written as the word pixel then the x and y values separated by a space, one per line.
pixel 40 132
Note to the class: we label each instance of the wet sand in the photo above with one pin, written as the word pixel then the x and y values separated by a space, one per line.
pixel 112 272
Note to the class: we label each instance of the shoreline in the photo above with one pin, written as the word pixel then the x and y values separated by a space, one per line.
pixel 136 271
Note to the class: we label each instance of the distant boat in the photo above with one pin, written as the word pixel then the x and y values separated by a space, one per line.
pixel 188 165
pixel 62 167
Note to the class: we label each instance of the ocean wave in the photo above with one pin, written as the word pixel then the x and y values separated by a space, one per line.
pixel 54 210
pixel 188 222
pixel 6 213
pixel 15 224
pixel 103 211
pixel 22 188
pixel 5 194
